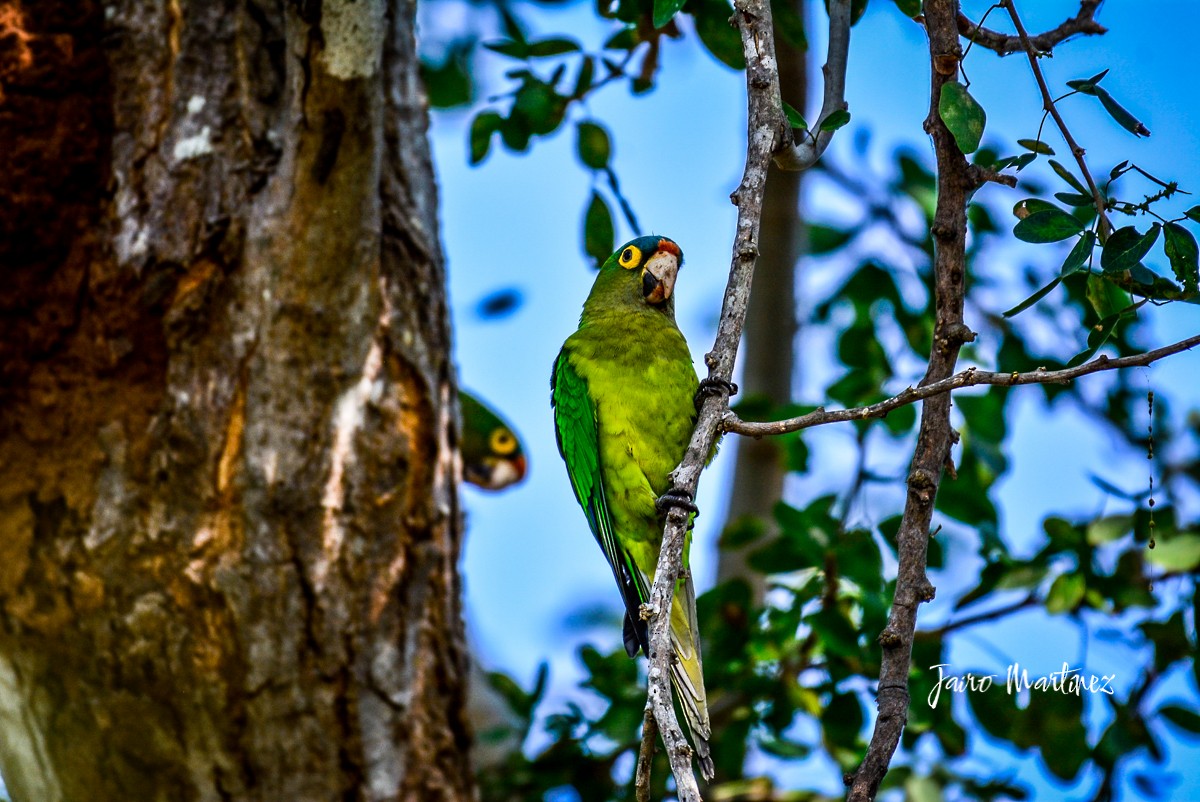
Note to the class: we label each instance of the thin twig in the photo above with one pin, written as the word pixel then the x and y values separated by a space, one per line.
pixel 802 155
pixel 765 128
pixel 641 781
pixel 979 618
pixel 967 378
pixel 1048 103
pixel 1004 44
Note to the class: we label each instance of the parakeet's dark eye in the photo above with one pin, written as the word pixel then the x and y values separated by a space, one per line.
pixel 502 442
pixel 629 257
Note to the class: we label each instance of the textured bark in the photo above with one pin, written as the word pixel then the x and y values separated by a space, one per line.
pixel 770 363
pixel 228 519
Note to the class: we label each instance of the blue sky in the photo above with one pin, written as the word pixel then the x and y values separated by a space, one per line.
pixel 515 221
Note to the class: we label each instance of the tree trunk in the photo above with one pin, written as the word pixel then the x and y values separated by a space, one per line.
pixel 229 525
pixel 769 353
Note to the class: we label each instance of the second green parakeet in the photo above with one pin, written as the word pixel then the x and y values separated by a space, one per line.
pixel 491 451
pixel 623 391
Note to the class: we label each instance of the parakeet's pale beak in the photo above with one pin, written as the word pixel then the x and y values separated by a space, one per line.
pixel 496 473
pixel 658 276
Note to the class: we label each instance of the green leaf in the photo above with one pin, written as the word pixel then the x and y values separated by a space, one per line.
pixel 836 119
pixel 1033 299
pixel 1079 255
pixel 823 239
pixel 1075 199
pixel 1180 553
pixel 664 10
pixel 1027 206
pixel 1036 145
pixel 552 47
pixel 598 232
pixel 1193 214
pixel 716 34
pixel 1126 247
pixel 963 116
pixel 1068 176
pixel 789 25
pixel 1120 114
pixel 909 8
pixel 482 127
pixel 593 145
pixel 1180 247
pixel 1065 594
pixel 1047 225
pixel 624 39
pixel 509 47
pixel 1087 86
pixel 449 83
pixel 583 82
pixel 794 118
pixel 1108 529
pixel 1183 718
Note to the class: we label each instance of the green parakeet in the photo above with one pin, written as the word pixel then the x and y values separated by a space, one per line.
pixel 623 391
pixel 491 452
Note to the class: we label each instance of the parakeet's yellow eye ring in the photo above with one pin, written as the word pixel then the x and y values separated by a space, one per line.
pixel 502 442
pixel 629 257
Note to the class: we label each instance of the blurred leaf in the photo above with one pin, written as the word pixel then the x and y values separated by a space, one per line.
pixel 592 144
pixel 1179 553
pixel 1036 145
pixel 1126 247
pixel 909 8
pixel 789 25
pixel 552 47
pixel 1107 529
pixel 717 35
pixel 449 83
pixel 745 530
pixel 510 48
pixel 583 81
pixel 1033 299
pixel 624 39
pixel 922 789
pixel 500 303
pixel 1183 718
pixel 664 10
pixel 1065 594
pixel 1181 250
pixel 598 234
pixel 963 116
pixel 1120 114
pixel 1047 225
pixel 823 239
pixel 482 127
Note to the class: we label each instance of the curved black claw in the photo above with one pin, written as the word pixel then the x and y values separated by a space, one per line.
pixel 676 498
pixel 712 386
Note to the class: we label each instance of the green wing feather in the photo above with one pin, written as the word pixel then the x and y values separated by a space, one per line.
pixel 577 430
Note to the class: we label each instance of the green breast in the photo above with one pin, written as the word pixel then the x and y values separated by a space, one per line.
pixel 640 375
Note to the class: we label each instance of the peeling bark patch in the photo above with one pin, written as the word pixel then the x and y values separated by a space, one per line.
pixel 28 771
pixel 353 33
pixel 349 414
pixel 192 147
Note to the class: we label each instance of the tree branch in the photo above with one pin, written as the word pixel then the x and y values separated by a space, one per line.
pixel 967 378
pixel 641 780
pixel 1003 44
pixel 802 155
pixel 936 436
pixel 1049 105
pixel 765 127
pixel 979 618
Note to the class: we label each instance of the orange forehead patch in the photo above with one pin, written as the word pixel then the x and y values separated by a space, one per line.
pixel 669 247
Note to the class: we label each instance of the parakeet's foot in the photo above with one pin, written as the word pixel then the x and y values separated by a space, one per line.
pixel 711 386
pixel 676 498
